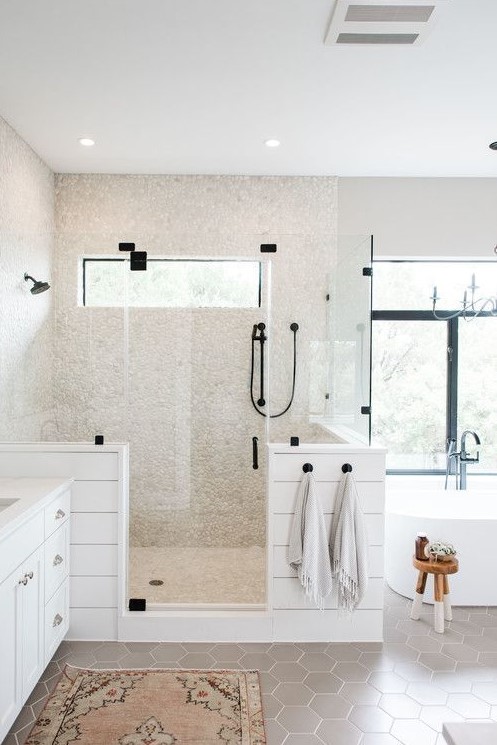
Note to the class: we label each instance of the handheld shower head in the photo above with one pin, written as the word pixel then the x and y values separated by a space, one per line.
pixel 37 287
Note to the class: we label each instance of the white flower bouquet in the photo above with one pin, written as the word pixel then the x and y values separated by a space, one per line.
pixel 440 551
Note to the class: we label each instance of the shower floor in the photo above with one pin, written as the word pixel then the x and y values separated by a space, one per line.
pixel 198 575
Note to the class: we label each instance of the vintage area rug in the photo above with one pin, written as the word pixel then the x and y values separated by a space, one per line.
pixel 152 707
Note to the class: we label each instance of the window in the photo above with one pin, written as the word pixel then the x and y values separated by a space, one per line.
pixel 431 379
pixel 168 283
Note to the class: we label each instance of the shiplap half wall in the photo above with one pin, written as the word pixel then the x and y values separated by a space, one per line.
pixel 98 524
pixel 294 616
pixel 99 490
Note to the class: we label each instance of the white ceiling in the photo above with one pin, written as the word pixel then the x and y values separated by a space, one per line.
pixel 196 86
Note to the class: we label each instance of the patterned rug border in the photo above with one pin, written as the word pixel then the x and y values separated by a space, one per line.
pixel 67 667
pixel 162 670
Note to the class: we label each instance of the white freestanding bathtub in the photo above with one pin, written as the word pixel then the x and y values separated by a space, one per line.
pixel 467 519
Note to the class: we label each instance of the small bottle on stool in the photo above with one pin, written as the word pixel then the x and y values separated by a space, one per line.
pixel 419 550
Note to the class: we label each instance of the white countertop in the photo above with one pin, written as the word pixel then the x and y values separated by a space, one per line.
pixel 30 495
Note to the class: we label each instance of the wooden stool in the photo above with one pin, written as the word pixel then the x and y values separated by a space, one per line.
pixel 440 571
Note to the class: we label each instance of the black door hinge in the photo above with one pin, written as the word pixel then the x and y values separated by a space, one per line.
pixel 366 410
pixel 367 271
pixel 138 261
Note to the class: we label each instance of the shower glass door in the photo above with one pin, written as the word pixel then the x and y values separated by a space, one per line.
pixel 350 339
pixel 197 521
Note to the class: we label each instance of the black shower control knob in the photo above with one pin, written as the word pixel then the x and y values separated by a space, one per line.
pixel 261 402
pixel 261 326
pixel 294 327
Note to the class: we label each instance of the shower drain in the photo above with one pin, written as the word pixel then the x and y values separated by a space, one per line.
pixel 156 582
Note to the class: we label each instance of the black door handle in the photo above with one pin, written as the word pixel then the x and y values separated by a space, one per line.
pixel 255 453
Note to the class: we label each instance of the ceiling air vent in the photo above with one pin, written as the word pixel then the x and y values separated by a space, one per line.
pixel 377 22
pixel 389 13
pixel 376 38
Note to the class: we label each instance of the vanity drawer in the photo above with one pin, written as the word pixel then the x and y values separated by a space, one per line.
pixel 56 620
pixel 56 559
pixel 17 546
pixel 57 513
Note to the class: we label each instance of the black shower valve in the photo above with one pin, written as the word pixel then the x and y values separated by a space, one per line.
pixel 259 327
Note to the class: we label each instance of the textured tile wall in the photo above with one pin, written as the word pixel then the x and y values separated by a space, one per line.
pixel 178 389
pixel 26 331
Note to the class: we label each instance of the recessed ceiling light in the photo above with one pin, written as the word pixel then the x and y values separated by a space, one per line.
pixel 86 142
pixel 272 143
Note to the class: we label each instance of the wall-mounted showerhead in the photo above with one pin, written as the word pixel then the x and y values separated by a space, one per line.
pixel 37 286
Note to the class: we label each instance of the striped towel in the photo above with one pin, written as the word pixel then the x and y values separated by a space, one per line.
pixel 349 545
pixel 308 550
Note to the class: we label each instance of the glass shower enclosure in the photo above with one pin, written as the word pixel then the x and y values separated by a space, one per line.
pixel 197 512
pixel 167 352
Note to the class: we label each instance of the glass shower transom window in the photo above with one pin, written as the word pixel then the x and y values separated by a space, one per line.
pixel 169 283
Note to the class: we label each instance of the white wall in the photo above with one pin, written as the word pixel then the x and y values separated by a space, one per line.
pixel 421 216
pixel 26 244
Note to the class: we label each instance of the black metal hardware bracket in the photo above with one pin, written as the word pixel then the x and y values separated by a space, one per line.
pixel 126 246
pixel 294 441
pixel 138 261
pixel 346 468
pixel 99 439
pixel 307 467
pixel 367 271
pixel 268 248
pixel 137 604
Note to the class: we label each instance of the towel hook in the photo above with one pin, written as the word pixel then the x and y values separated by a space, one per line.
pixel 307 467
pixel 346 468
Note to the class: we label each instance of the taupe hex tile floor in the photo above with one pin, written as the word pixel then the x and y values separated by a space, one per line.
pixel 400 691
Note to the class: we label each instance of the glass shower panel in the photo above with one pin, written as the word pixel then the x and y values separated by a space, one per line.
pixel 300 269
pixel 197 532
pixel 349 319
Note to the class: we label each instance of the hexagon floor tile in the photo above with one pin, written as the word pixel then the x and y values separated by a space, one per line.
pixel 396 693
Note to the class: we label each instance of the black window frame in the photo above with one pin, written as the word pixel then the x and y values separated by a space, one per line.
pixel 452 356
pixel 89 259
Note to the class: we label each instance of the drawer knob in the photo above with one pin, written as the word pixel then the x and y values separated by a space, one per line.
pixel 29 575
pixel 60 514
pixel 57 620
pixel 23 581
pixel 57 560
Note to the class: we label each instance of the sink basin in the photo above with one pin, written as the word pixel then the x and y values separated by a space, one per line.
pixel 4 503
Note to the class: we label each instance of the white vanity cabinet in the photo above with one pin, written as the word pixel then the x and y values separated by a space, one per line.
pixel 34 603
